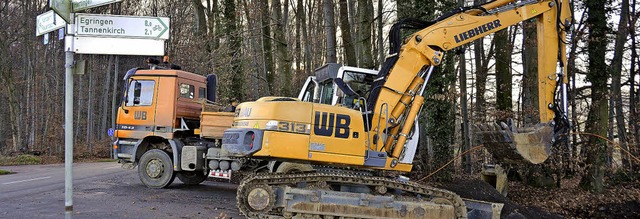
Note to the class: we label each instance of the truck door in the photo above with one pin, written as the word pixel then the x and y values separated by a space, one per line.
pixel 136 116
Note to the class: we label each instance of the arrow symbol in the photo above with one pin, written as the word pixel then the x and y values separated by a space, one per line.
pixel 164 25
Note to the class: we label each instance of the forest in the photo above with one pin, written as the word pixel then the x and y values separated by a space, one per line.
pixel 269 47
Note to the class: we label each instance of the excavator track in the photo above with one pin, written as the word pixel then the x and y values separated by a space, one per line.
pixel 310 195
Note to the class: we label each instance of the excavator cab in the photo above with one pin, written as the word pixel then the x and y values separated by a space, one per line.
pixel 326 86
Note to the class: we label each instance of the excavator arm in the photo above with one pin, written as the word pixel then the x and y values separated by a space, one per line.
pixel 406 72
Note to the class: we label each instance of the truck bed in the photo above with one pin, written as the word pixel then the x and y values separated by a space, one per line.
pixel 213 124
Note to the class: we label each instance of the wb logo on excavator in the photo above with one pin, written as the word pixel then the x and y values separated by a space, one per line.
pixel 324 125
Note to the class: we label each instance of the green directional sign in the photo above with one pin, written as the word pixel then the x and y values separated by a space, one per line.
pixel 62 7
pixel 122 26
pixel 47 22
pixel 79 5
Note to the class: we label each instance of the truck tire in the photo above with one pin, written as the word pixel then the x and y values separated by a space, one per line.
pixel 287 167
pixel 192 177
pixel 156 169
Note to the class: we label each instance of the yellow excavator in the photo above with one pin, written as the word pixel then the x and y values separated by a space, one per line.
pixel 359 151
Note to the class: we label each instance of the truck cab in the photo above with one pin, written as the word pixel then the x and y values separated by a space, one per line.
pixel 159 107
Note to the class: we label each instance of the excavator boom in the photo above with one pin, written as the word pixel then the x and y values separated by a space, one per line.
pixel 408 71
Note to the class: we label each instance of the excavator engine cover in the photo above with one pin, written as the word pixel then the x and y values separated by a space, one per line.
pixel 516 145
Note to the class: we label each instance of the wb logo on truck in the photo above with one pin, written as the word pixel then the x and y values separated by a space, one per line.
pixel 140 115
pixel 324 125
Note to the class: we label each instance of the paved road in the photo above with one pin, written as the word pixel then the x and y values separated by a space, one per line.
pixel 105 190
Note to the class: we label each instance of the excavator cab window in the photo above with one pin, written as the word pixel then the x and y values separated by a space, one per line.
pixel 308 93
pixel 140 93
pixel 360 83
pixel 326 92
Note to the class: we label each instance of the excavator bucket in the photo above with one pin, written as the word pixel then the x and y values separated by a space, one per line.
pixel 516 145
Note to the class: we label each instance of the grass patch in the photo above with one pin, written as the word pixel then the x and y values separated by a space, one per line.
pixel 23 159
pixel 5 172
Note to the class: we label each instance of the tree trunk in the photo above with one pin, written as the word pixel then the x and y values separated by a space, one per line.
pixel 616 71
pixel 503 75
pixel 266 45
pixel 105 98
pixel 598 75
pixel 89 121
pixel 633 102
pixel 330 31
pixel 282 57
pixel 345 29
pixel 14 109
pixel 215 26
pixel 307 41
pixel 365 19
pixel 201 20
pixel 298 49
pixel 481 76
pixel 231 33
pixel 530 97
pixel 462 65
pixel 381 49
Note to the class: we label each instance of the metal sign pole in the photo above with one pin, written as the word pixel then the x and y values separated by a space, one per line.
pixel 68 119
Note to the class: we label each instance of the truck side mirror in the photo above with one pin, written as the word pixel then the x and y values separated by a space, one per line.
pixel 137 89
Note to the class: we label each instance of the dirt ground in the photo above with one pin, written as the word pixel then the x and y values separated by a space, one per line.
pixel 570 201
pixel 619 201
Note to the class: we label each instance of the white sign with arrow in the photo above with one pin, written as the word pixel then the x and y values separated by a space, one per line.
pixel 99 25
pixel 47 22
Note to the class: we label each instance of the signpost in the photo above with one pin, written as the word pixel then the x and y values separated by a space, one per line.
pixel 79 5
pixel 96 34
pixel 63 8
pixel 47 22
pixel 122 26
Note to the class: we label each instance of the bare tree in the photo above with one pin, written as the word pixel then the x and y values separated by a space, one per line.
pixel 365 20
pixel 330 31
pixel 266 44
pixel 616 73
pixel 345 30
pixel 597 121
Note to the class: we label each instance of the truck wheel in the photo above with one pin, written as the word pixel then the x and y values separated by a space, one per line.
pixel 156 169
pixel 287 167
pixel 192 177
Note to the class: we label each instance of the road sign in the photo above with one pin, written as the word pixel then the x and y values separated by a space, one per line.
pixel 118 46
pixel 47 22
pixel 99 25
pixel 62 7
pixel 79 5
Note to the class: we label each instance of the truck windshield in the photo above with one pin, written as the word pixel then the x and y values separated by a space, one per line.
pixel 146 93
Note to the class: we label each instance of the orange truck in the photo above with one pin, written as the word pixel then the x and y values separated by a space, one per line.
pixel 169 123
